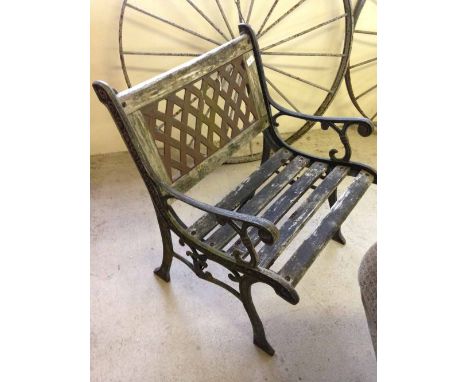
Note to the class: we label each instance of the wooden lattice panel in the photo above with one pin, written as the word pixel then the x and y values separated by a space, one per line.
pixel 195 121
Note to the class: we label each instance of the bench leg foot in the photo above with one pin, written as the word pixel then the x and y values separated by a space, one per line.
pixel 338 236
pixel 163 271
pixel 259 337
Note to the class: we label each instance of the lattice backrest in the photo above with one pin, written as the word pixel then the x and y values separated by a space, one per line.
pixel 200 113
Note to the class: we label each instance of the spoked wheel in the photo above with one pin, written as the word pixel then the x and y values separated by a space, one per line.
pixel 305 45
pixel 361 75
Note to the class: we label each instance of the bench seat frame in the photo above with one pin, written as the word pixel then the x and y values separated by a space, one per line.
pixel 243 272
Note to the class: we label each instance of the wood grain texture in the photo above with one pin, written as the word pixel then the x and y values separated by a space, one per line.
pixel 224 234
pixel 160 86
pixel 305 255
pixel 147 147
pixel 286 201
pixel 291 227
pixel 234 198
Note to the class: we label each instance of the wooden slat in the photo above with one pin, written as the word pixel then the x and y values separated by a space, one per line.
pixel 224 234
pixel 286 201
pixel 234 199
pixel 256 92
pixel 269 253
pixel 306 254
pixel 160 86
pixel 147 147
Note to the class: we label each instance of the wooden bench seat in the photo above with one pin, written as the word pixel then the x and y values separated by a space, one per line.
pixel 298 174
pixel 181 125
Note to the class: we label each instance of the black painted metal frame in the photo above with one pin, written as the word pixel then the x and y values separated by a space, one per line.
pixel 242 268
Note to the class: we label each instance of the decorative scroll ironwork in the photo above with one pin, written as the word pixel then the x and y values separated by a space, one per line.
pixel 240 271
pixel 341 128
pixel 245 239
pixel 342 133
pixel 199 265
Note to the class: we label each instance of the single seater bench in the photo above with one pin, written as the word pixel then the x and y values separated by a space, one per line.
pixel 181 125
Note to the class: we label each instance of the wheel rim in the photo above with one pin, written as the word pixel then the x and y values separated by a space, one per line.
pixel 279 50
pixel 365 65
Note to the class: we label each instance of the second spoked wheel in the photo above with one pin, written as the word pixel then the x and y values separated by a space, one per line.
pixel 361 75
pixel 305 45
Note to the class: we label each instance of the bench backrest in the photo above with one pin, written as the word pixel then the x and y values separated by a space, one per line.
pixel 190 120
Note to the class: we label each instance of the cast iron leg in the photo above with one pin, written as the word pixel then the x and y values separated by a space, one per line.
pixel 164 269
pixel 266 150
pixel 338 237
pixel 259 338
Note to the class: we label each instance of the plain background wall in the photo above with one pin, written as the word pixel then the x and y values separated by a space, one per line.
pixel 146 34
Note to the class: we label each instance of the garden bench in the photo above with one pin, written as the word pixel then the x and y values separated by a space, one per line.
pixel 181 125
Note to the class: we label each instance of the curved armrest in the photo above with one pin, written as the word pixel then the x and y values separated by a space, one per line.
pixel 365 126
pixel 268 232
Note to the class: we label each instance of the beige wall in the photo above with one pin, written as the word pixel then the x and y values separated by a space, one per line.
pixel 105 65
pixel 141 30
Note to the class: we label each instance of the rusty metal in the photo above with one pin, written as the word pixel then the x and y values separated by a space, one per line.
pixel 271 67
pixel 348 75
pixel 240 214
pixel 208 20
pixel 267 17
pixel 264 27
pixel 281 94
pixel 282 17
pixel 249 13
pixel 175 25
pixel 308 30
pixel 221 10
pixel 130 53
pixel 302 54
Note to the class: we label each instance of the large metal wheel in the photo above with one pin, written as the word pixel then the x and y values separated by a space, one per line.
pixel 362 69
pixel 305 45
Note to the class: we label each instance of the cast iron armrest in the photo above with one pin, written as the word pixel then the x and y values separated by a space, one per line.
pixel 365 127
pixel 267 231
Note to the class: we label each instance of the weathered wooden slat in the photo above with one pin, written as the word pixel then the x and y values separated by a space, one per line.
pixel 158 87
pixel 306 254
pixel 284 203
pixel 256 91
pixel 225 233
pixel 147 147
pixel 233 200
pixel 269 253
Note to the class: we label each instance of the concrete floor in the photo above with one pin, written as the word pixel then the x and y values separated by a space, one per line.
pixel 143 329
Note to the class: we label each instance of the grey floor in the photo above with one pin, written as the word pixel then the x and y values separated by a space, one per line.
pixel 143 329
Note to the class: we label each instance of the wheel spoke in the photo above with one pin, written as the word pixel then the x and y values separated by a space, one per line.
pixel 161 54
pixel 202 14
pixel 173 24
pixel 221 10
pixel 239 11
pixel 303 54
pixel 250 10
pixel 267 17
pixel 362 63
pixel 305 31
pixel 296 78
pixel 282 95
pixel 282 17
pixel 365 32
pixel 367 91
